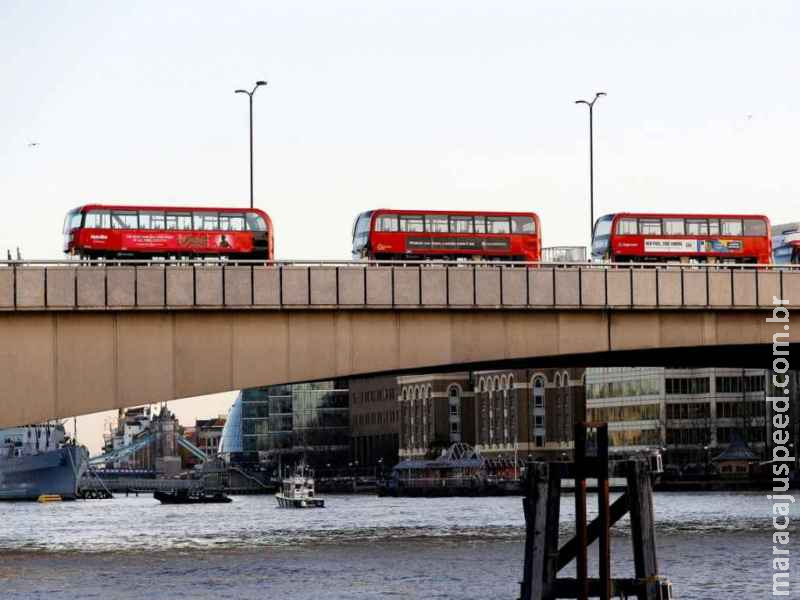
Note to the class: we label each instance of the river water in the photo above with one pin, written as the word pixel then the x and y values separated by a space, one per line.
pixel 710 545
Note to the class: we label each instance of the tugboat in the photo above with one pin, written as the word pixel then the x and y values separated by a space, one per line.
pixel 39 460
pixel 184 496
pixel 298 490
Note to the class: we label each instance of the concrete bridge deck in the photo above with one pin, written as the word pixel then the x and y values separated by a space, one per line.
pixel 79 339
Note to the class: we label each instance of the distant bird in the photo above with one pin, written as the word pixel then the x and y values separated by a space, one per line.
pixel 32 144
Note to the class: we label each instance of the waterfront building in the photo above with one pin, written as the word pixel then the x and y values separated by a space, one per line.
pixel 793 414
pixel 287 423
pixel 435 411
pixel 208 433
pixel 374 421
pixel 129 426
pixel 528 412
pixel 151 437
pixel 736 460
pixel 691 414
pixel 506 414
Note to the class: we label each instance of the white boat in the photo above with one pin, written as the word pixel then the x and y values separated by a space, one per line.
pixel 297 490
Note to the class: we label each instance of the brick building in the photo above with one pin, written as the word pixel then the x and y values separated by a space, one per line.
pixel 436 410
pixel 528 411
pixel 500 413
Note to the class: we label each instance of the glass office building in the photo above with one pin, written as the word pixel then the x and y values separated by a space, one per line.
pixel 290 422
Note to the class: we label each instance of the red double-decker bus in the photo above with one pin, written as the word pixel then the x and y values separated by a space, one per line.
pixel 651 237
pixel 386 234
pixel 105 231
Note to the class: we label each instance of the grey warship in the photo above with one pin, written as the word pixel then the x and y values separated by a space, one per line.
pixel 38 460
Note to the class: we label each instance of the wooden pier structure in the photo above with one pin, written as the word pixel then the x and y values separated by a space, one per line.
pixel 541 504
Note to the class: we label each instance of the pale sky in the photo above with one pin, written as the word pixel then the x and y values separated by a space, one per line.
pixel 448 104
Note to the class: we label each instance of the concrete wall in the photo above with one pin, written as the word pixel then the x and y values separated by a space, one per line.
pixel 62 363
pixel 191 287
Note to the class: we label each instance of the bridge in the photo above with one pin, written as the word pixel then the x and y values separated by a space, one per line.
pixel 76 338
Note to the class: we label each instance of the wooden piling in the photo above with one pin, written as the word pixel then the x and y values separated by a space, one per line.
pixel 543 557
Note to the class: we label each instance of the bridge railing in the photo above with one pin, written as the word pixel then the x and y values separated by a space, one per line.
pixel 152 285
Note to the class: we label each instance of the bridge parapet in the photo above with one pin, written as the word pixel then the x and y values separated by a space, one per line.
pixel 137 285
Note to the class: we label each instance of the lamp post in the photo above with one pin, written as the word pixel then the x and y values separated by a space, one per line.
pixel 591 159
pixel 250 96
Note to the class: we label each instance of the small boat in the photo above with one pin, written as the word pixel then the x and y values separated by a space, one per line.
pixel 297 490
pixel 191 497
pixel 49 498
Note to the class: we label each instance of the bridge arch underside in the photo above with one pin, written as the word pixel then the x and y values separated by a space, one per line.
pixel 60 364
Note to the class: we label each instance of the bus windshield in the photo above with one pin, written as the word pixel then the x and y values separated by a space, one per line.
pixel 602 232
pixel 361 234
pixel 72 220
pixel 786 243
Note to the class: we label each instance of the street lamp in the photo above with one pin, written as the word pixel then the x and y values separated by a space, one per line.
pixel 250 95
pixel 591 160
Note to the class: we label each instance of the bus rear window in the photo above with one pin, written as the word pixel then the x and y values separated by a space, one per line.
pixel 755 227
pixel 522 225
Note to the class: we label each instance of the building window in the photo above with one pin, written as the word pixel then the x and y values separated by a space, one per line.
pixel 539 441
pixel 539 420
pixel 538 392
pixel 687 385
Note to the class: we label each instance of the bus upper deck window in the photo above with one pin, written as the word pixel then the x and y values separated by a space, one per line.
pixel 673 227
pixel 626 227
pixel 460 224
pixel 522 225
pixel 696 227
pixel 412 223
pixel 480 224
pixel 124 220
pixel 497 225
pixel 98 219
pixel 436 223
pixel 231 222
pixel 731 227
pixel 713 227
pixel 650 226
pixel 177 221
pixel 386 223
pixel 151 220
pixel 206 221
